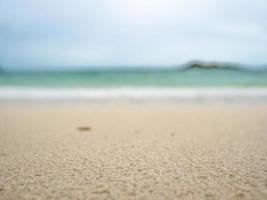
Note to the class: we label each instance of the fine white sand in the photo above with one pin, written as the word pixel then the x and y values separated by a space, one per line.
pixel 120 151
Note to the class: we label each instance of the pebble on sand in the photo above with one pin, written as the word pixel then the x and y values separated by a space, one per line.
pixel 84 128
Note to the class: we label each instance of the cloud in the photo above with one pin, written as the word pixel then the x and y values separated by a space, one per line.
pixel 114 32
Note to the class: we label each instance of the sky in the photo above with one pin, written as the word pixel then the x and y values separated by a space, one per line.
pixel 73 33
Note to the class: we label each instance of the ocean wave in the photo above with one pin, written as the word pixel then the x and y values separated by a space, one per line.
pixel 132 93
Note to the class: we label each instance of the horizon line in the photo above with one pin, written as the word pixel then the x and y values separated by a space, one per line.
pixel 137 67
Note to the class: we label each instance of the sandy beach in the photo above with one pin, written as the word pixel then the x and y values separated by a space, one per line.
pixel 133 151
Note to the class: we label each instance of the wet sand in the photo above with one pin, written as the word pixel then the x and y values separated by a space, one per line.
pixel 123 151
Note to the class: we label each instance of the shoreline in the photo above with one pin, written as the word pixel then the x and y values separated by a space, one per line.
pixel 135 93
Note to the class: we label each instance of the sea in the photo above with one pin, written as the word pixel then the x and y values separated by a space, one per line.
pixel 195 84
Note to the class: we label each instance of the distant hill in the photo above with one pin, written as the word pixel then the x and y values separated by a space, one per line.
pixel 211 65
pixel 220 65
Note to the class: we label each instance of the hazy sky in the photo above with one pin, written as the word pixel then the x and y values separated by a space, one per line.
pixel 37 33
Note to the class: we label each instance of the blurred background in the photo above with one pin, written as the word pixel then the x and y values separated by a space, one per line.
pixel 84 48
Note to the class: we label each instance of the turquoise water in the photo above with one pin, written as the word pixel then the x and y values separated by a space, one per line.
pixel 187 78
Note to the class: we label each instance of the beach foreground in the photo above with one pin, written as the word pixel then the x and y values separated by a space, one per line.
pixel 127 151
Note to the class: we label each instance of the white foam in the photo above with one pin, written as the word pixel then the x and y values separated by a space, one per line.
pixel 130 93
